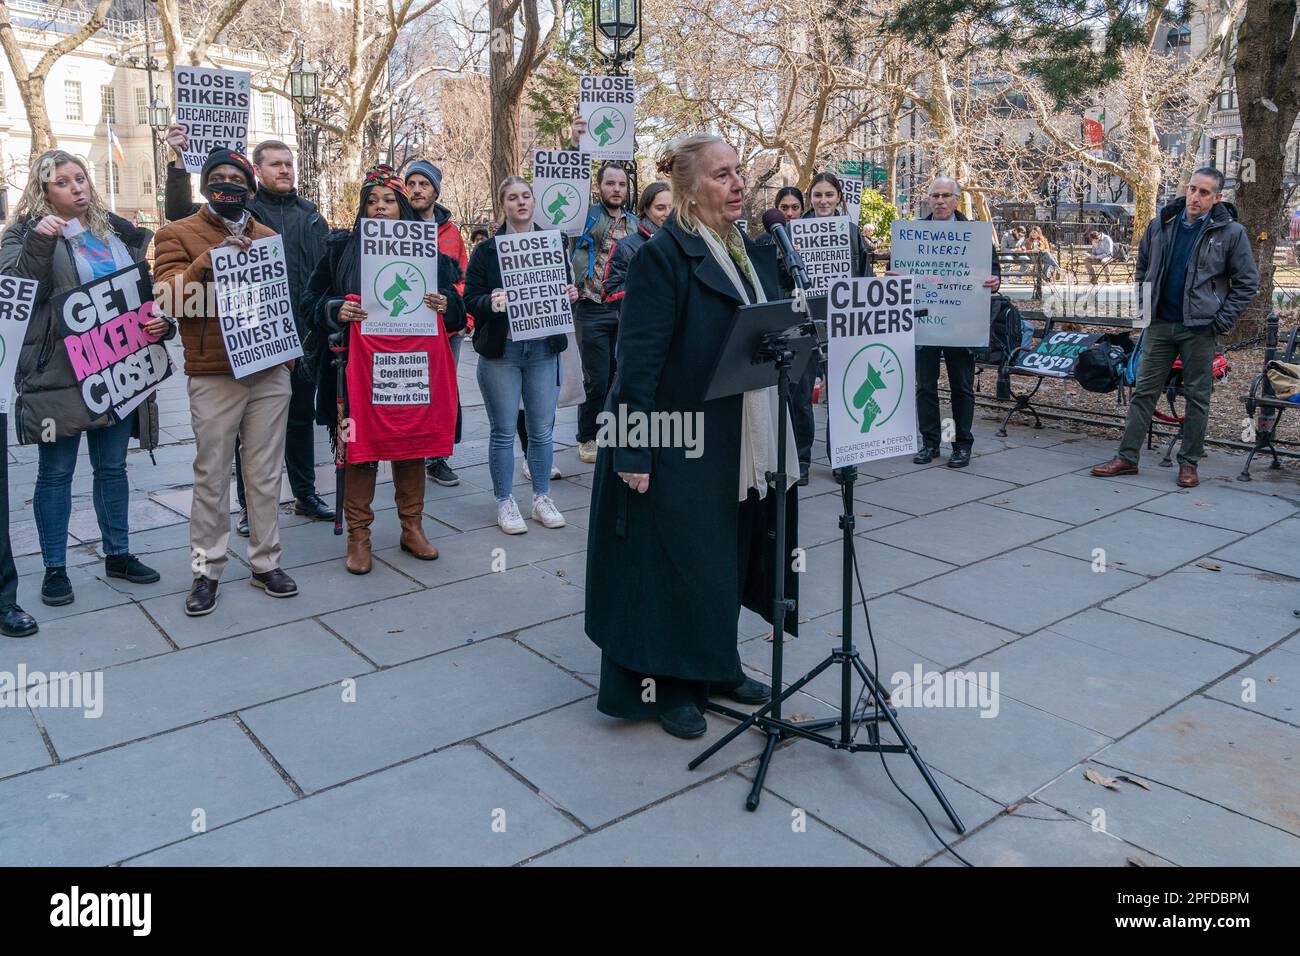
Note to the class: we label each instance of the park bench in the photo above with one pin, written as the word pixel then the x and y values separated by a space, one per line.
pixel 1262 397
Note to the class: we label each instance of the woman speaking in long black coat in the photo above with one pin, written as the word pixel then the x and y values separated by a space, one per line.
pixel 679 535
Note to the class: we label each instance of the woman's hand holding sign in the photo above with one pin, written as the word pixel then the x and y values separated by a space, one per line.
pixel 51 226
pixel 436 301
pixel 351 311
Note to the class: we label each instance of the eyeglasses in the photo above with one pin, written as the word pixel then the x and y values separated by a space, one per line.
pixel 942 195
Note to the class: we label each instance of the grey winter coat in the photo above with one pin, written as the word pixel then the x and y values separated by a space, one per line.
pixel 45 386
pixel 1221 274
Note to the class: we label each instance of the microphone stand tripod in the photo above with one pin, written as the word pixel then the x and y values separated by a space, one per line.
pixel 776 348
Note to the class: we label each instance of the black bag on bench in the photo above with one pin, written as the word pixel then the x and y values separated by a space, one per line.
pixel 1004 331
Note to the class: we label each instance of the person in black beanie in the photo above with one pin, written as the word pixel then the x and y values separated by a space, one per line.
pixel 277 205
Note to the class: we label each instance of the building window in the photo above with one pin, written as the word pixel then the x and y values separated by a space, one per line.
pixel 108 101
pixel 1227 98
pixel 146 182
pixel 1226 155
pixel 112 178
pixel 141 106
pixel 1178 39
pixel 72 100
pixel 268 112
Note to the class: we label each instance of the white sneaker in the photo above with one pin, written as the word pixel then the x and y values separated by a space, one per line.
pixel 587 453
pixel 528 472
pixel 544 511
pixel 509 519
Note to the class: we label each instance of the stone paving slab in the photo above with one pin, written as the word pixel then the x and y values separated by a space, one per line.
pixel 1140 542
pixel 409 710
pixel 176 570
pixel 1073 498
pixel 472 554
pixel 967 533
pixel 819 518
pixel 651 765
pixel 104 808
pixel 183 687
pixel 1273 549
pixel 1038 835
pixel 113 636
pixel 1276 686
pixel 1023 590
pixel 565 643
pixel 241 608
pixel 434 811
pixel 425 622
pixel 1181 828
pixel 1025 466
pixel 928 490
pixel 852 793
pixel 1236 606
pixel 1222 508
pixel 1003 757
pixel 1100 684
pixel 933 633
pixel 21 745
pixel 1245 762
pixel 703 827
pixel 883 569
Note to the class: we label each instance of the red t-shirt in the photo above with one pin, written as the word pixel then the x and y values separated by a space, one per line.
pixel 401 396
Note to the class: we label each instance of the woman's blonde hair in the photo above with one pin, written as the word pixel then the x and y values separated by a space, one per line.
pixel 506 184
pixel 35 200
pixel 680 163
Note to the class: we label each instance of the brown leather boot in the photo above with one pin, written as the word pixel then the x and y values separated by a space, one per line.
pixel 358 493
pixel 1116 466
pixel 1187 477
pixel 408 490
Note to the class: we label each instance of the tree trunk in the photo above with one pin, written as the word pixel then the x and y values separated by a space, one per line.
pixel 38 118
pixel 505 94
pixel 1268 96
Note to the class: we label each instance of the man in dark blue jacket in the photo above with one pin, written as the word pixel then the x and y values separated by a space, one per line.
pixel 278 206
pixel 1196 272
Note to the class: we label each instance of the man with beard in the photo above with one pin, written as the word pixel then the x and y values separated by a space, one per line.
pixel 424 186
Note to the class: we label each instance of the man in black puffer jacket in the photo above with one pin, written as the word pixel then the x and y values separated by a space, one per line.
pixel 278 206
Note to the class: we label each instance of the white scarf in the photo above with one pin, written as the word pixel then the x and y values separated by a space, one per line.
pixel 759 410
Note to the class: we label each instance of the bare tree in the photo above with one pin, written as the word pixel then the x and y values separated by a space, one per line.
pixel 1268 94
pixel 190 29
pixel 31 80
pixel 516 47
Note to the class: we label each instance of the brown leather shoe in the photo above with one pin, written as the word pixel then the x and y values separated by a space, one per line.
pixel 408 490
pixel 1116 466
pixel 358 493
pixel 1187 477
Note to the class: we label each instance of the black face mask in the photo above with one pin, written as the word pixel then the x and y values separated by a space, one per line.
pixel 228 199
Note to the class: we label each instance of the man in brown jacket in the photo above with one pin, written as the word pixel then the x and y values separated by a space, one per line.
pixel 222 407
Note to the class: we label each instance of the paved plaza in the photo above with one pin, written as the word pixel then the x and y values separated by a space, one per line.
pixel 444 712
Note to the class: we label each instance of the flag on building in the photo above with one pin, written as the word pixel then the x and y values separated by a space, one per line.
pixel 115 145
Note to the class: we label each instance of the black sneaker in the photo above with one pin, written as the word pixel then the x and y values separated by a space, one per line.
pixel 925 456
pixel 441 472
pixel 129 568
pixel 960 458
pixel 56 590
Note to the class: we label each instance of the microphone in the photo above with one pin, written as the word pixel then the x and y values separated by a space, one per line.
pixel 774 223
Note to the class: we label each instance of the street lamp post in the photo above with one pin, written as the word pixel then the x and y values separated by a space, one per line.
pixel 304 90
pixel 618 21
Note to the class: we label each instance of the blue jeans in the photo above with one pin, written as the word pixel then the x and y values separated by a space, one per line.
pixel 532 371
pixel 52 501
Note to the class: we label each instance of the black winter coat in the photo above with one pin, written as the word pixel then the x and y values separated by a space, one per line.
pixel 614 281
pixel 321 303
pixel 296 219
pixel 664 584
pixel 490 327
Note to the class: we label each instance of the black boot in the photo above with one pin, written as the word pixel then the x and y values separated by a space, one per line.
pixel 685 722
pixel 15 622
